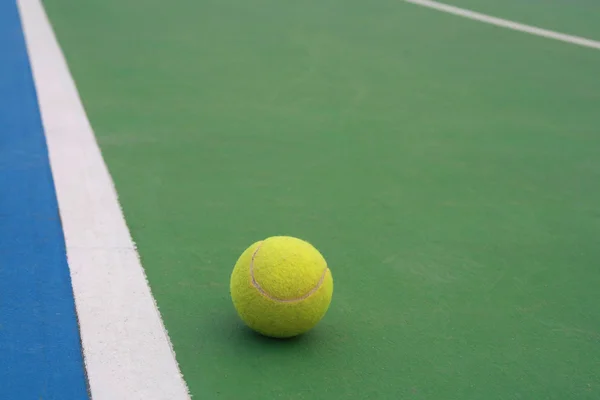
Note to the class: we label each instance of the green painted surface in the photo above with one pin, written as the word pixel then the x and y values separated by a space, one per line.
pixel 447 170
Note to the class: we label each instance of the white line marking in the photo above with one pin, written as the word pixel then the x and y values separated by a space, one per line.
pixel 507 24
pixel 127 350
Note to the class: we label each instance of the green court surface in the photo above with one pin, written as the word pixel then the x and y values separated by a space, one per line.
pixel 447 169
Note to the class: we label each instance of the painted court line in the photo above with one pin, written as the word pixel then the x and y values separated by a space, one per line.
pixel 507 24
pixel 128 354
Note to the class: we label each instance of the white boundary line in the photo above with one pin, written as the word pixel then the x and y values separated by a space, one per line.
pixel 507 24
pixel 127 350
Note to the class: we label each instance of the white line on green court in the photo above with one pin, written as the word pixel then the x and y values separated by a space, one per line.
pixel 128 354
pixel 532 30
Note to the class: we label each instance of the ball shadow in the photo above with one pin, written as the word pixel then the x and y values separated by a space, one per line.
pixel 240 334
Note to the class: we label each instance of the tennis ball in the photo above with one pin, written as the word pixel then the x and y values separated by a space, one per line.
pixel 281 287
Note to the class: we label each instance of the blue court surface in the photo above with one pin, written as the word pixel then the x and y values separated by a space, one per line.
pixel 40 349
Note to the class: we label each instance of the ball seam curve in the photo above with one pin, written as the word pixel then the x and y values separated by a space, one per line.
pixel 276 299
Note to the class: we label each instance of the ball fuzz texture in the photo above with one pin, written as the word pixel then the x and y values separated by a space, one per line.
pixel 281 286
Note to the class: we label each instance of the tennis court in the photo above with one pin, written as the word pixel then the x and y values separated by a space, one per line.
pixel 447 168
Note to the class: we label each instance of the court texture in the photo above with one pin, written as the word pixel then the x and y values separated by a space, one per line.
pixel 443 157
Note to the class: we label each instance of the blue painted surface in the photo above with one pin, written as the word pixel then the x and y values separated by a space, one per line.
pixel 40 351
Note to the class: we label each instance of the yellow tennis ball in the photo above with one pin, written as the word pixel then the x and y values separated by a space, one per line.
pixel 281 286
